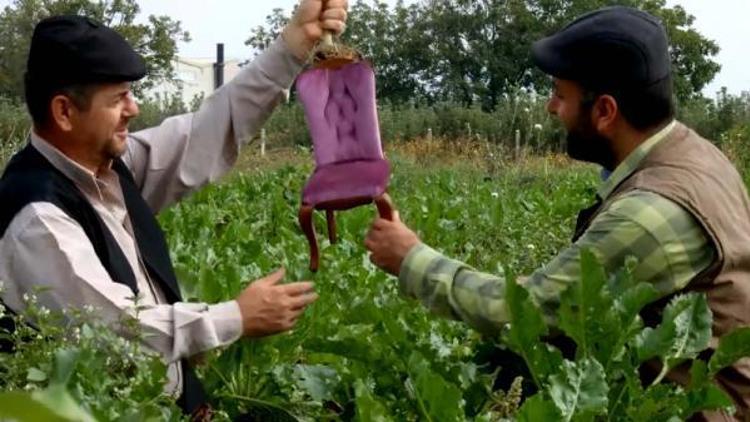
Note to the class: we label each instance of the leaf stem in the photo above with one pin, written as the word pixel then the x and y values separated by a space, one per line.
pixel 661 376
pixel 258 402
pixel 616 402
pixel 419 401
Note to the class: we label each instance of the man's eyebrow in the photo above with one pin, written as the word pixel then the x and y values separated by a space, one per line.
pixel 120 92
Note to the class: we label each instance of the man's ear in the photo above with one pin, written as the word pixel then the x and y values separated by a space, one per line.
pixel 604 113
pixel 62 112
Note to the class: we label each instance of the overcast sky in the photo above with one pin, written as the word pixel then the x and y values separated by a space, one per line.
pixel 726 22
pixel 230 22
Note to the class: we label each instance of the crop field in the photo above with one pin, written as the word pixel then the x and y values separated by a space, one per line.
pixel 363 352
pixel 478 170
pixel 361 347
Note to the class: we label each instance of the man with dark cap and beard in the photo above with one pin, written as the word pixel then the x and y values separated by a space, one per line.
pixel 673 200
pixel 78 202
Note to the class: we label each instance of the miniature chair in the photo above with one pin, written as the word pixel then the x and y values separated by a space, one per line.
pixel 350 169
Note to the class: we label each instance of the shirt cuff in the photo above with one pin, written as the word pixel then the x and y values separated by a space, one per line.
pixel 414 269
pixel 279 64
pixel 227 320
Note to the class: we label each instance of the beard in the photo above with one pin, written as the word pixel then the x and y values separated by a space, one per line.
pixel 116 146
pixel 115 149
pixel 585 144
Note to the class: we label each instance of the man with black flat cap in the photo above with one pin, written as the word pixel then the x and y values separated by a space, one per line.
pixel 79 200
pixel 672 200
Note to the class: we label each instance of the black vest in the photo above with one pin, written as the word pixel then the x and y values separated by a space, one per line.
pixel 29 177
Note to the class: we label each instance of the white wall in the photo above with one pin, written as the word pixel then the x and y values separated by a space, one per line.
pixel 196 76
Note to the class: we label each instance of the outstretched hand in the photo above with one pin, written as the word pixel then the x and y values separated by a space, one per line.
pixel 268 307
pixel 389 242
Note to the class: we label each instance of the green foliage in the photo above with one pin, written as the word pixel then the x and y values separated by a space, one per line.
pixel 715 118
pixel 155 109
pixel 538 409
pixel 155 40
pixel 725 120
pixel 684 332
pixel 454 69
pixel 361 350
pixel 14 127
pixel 72 366
pixel 368 408
pixel 53 404
pixel 601 315
pixel 525 331
pixel 436 398
pixel 522 114
pixel 397 41
pixel 474 53
pixel 732 347
pixel 579 389
pixel 364 353
pixel 263 36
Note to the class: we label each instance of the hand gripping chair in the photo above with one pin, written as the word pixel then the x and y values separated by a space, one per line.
pixel 350 169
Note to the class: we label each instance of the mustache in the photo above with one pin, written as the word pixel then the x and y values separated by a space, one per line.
pixel 123 124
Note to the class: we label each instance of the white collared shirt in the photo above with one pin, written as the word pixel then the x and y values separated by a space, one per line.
pixel 44 247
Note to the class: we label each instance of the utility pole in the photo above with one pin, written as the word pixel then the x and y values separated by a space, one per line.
pixel 219 66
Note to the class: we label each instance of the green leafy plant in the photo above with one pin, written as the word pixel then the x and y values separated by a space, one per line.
pixel 73 366
pixel 602 382
pixel 362 352
pixel 362 349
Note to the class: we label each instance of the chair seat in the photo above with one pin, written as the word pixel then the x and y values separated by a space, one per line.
pixel 341 181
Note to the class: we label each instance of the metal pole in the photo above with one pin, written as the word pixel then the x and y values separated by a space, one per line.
pixel 219 66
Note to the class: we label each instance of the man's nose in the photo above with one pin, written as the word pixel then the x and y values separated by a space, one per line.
pixel 131 108
pixel 552 106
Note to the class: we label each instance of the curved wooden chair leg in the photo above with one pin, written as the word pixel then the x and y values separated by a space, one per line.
pixel 306 223
pixel 384 205
pixel 331 219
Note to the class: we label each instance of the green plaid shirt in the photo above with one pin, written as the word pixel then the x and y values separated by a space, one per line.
pixel 669 244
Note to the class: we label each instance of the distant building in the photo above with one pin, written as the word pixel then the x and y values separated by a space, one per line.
pixel 196 76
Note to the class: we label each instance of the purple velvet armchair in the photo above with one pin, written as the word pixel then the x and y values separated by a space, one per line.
pixel 350 169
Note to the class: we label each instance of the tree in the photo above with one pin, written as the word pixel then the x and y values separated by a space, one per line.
pixel 475 52
pixel 692 53
pixel 483 45
pixel 262 36
pixel 155 40
pixel 397 42
pixel 388 38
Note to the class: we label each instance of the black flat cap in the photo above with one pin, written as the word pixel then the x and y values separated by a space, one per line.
pixel 75 49
pixel 610 48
